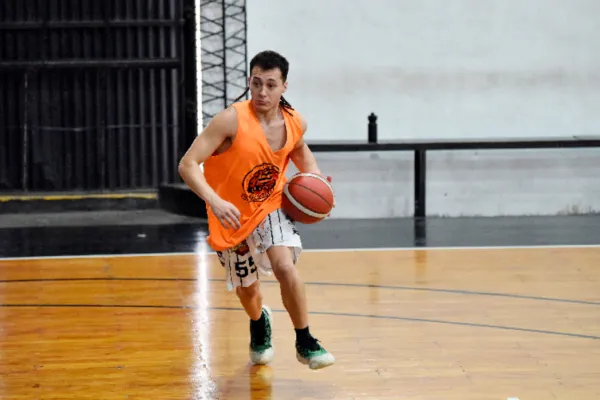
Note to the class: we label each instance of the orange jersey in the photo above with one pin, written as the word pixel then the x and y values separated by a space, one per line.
pixel 250 175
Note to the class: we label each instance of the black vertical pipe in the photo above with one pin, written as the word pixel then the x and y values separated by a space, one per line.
pixel 174 34
pixel 26 134
pixel 75 44
pixel 154 92
pixel 189 55
pixel 6 132
pixel 142 99
pixel 89 134
pixel 420 232
pixel 419 184
pixel 132 114
pixel 116 148
pixel 164 100
pixel 372 129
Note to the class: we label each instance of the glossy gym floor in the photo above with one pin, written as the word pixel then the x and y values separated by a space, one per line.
pixel 122 306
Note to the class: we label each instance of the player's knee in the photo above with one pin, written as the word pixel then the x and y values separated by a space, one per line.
pixel 249 292
pixel 284 271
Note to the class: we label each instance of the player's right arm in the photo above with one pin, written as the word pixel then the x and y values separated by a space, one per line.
pixel 222 127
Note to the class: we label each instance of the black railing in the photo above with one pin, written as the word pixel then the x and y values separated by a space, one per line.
pixel 420 148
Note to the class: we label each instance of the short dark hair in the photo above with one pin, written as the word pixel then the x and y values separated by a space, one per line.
pixel 268 60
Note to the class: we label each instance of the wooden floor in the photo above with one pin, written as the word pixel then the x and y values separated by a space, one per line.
pixel 427 324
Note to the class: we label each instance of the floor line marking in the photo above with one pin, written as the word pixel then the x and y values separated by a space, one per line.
pixel 385 317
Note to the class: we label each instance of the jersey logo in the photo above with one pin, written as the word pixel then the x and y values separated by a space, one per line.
pixel 241 249
pixel 260 182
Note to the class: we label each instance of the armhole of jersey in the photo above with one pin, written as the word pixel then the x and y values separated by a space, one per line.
pixel 234 139
pixel 298 120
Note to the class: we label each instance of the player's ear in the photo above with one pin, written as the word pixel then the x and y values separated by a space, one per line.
pixel 285 86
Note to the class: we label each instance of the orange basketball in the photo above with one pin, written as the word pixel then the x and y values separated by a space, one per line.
pixel 308 198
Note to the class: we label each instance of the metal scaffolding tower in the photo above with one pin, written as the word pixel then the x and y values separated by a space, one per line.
pixel 223 54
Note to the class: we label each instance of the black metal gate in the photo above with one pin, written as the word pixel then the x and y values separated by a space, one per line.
pixel 93 93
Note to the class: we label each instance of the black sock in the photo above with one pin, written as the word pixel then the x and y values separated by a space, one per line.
pixel 258 328
pixel 261 321
pixel 303 335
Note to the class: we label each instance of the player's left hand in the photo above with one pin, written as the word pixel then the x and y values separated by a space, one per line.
pixel 329 180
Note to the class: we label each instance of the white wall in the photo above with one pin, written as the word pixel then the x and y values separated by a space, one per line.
pixel 445 69
pixel 437 68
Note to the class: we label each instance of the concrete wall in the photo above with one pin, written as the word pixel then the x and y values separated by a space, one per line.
pixel 446 69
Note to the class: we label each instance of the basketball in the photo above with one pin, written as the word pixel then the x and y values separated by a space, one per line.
pixel 308 198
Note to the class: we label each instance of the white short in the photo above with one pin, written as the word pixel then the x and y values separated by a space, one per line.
pixel 244 262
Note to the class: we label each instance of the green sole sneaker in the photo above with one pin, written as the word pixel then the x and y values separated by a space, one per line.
pixel 261 349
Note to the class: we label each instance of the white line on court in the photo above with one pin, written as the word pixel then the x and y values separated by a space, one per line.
pixel 338 250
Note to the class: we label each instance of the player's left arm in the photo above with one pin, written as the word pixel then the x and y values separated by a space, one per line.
pixel 302 157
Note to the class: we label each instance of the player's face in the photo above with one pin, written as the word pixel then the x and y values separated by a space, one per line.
pixel 266 88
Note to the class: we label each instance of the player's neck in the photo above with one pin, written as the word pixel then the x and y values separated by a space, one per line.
pixel 268 117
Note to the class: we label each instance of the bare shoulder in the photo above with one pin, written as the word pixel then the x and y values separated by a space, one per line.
pixel 224 124
pixel 218 134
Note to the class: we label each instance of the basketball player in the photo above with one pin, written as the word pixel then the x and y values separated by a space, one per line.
pixel 246 150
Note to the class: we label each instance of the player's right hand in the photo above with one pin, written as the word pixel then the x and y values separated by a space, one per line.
pixel 227 214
